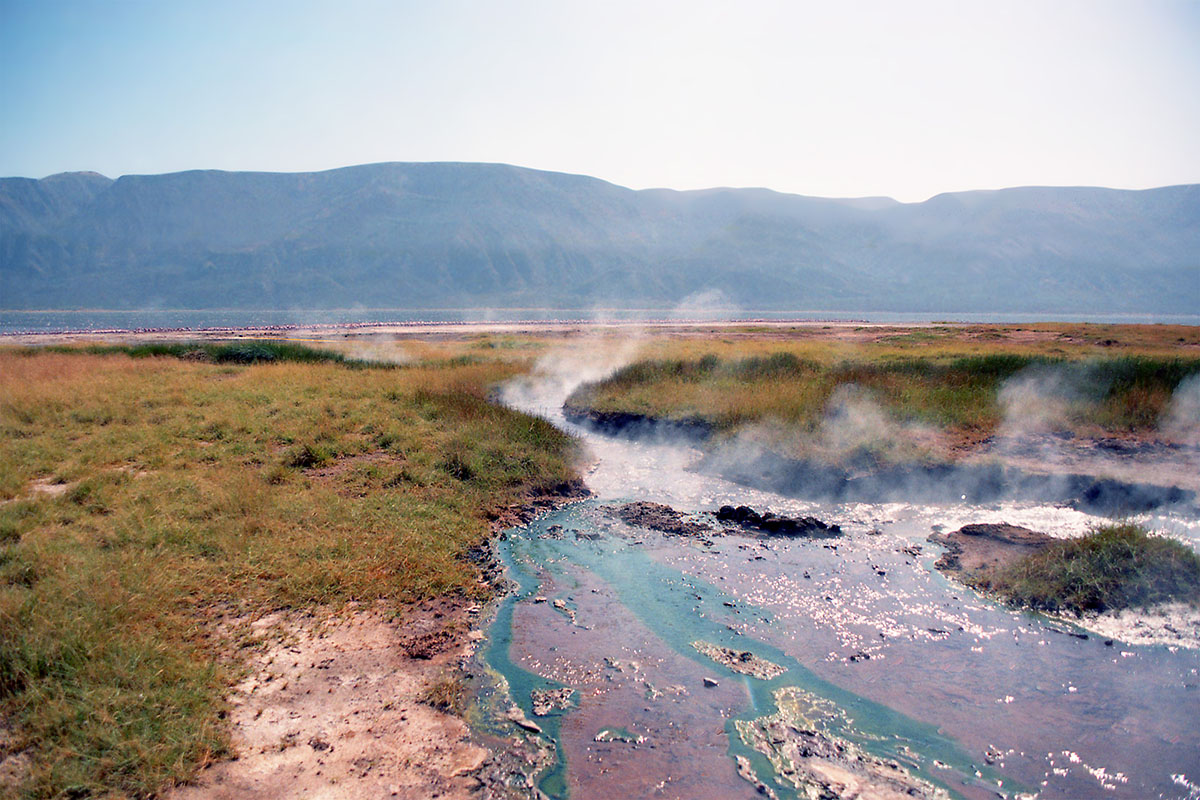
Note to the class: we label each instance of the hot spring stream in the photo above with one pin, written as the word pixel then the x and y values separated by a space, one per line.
pixel 873 670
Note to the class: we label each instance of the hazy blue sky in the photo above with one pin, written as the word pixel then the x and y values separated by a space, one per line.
pixel 838 98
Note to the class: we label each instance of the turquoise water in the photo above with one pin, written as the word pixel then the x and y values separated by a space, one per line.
pixel 679 609
pixel 905 665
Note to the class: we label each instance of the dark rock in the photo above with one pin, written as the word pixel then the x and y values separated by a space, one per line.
pixel 657 516
pixel 775 525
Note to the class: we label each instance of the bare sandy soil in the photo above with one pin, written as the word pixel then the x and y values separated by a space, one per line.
pixel 334 710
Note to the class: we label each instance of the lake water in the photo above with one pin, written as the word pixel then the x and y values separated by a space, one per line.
pixel 59 321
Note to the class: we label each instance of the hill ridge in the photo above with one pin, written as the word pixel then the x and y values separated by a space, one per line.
pixel 464 234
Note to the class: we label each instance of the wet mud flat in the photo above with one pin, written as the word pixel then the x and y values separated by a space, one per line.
pixel 944 483
pixel 726 665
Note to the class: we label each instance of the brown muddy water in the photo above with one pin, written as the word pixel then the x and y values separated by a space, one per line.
pixel 879 673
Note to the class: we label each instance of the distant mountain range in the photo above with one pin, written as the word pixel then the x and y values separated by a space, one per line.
pixel 456 235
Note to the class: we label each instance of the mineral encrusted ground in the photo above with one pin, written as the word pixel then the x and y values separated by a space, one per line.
pixel 821 764
pixel 743 662
pixel 547 701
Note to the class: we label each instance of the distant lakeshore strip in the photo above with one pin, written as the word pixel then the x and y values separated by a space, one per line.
pixel 459 325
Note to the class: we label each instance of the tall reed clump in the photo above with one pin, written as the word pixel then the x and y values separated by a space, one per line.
pixel 148 499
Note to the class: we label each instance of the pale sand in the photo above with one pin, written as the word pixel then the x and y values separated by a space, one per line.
pixel 334 711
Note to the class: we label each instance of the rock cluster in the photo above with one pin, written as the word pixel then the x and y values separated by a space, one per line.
pixel 775 524
pixel 618 735
pixel 822 764
pixel 657 516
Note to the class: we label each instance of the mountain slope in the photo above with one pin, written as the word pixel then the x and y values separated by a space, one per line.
pixel 472 235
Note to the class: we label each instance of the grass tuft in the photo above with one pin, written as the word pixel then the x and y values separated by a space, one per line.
pixel 308 455
pixel 447 693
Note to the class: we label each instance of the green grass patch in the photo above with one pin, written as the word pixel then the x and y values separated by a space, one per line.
pixel 1113 567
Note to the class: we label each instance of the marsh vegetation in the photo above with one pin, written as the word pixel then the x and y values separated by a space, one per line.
pixel 156 498
pixel 936 391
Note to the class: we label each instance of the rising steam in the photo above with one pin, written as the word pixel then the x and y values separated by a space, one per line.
pixel 1181 423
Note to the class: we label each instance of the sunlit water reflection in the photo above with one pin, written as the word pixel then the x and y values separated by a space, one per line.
pixel 969 697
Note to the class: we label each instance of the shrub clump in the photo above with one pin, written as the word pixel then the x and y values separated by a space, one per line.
pixel 248 352
pixel 1113 567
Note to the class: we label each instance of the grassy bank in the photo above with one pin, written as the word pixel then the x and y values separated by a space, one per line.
pixel 1114 567
pixel 143 501
pixel 957 393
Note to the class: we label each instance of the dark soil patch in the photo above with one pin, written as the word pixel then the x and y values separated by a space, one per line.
pixel 939 483
pixel 973 548
pixel 427 645
pixel 639 426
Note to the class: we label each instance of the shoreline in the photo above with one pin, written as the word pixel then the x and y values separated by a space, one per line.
pixel 563 324
pixel 465 326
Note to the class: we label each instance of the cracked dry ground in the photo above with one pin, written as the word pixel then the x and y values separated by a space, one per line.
pixel 333 711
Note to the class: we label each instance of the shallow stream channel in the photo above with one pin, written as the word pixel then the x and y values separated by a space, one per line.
pixel 730 664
